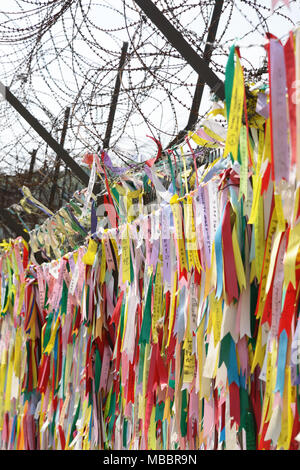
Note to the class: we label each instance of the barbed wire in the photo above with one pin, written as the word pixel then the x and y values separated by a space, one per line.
pixel 58 53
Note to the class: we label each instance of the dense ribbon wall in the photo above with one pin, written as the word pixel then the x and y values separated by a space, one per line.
pixel 178 329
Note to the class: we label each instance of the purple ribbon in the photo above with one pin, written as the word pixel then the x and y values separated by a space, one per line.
pixel 115 169
pixel 280 147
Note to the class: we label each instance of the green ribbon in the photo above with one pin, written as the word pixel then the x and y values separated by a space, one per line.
pixel 159 411
pixel 48 329
pixel 179 169
pixel 141 362
pixel 172 173
pixel 125 433
pixel 146 324
pixel 112 414
pixel 64 299
pixel 225 350
pixel 98 367
pixel 229 75
pixel 183 418
pixel 253 302
pixel 244 407
pixel 250 432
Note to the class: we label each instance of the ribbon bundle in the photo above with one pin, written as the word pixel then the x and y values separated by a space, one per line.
pixel 178 329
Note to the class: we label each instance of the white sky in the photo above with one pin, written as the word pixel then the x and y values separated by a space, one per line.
pixel 251 50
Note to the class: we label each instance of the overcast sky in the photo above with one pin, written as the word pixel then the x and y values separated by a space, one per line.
pixel 252 51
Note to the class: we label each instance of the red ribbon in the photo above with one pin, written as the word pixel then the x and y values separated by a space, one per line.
pixel 290 307
pixel 267 313
pixel 62 437
pixel 289 56
pixel 116 313
pixel 266 179
pixel 228 258
pixel 234 400
pixel 44 373
pixel 153 160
